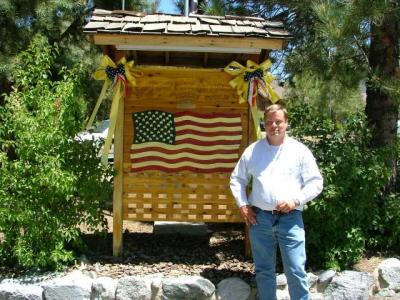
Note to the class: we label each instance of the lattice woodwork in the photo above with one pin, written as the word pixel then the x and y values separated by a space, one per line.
pixel 178 197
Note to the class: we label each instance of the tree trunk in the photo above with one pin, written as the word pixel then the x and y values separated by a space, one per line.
pixel 5 88
pixel 382 108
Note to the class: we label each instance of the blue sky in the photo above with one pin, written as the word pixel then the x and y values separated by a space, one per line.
pixel 167 6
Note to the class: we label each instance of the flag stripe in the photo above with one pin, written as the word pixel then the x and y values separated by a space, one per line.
pixel 188 155
pixel 206 143
pixel 207 125
pixel 207 121
pixel 183 146
pixel 171 169
pixel 205 133
pixel 212 129
pixel 175 161
pixel 214 138
pixel 184 164
pixel 135 152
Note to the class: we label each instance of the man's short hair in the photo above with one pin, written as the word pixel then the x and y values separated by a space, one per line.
pixel 274 108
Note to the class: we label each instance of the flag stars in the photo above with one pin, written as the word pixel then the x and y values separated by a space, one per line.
pixel 153 126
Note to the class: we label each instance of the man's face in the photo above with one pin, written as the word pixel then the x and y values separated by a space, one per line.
pixel 275 124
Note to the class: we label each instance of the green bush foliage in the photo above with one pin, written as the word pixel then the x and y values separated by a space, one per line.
pixel 49 182
pixel 389 231
pixel 347 217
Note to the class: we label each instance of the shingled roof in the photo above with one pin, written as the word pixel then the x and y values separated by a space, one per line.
pixel 104 21
pixel 196 33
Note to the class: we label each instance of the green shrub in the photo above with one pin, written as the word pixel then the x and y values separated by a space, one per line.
pixel 346 218
pixel 391 229
pixel 49 182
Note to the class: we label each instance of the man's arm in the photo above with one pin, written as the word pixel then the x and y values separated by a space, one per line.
pixel 312 179
pixel 248 215
pixel 312 184
pixel 240 178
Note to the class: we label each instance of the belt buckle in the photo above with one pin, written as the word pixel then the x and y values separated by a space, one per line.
pixel 276 212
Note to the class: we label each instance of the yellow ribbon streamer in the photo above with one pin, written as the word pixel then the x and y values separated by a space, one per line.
pixel 248 82
pixel 255 113
pixel 119 75
pixel 99 100
pixel 113 120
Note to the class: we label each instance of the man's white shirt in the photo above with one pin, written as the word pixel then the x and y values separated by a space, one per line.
pixel 284 172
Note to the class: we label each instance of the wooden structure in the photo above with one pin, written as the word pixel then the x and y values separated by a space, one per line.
pixel 182 61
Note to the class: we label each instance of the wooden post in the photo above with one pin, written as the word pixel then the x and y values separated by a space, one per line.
pixel 118 180
pixel 252 138
pixel 247 246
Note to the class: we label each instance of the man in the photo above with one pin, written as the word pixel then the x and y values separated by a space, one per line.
pixel 284 177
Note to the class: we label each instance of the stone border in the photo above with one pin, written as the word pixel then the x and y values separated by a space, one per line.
pixel 78 285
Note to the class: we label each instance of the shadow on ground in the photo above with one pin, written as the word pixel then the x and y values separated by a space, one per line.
pixel 217 255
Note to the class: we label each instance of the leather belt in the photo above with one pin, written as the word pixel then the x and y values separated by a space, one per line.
pixel 272 212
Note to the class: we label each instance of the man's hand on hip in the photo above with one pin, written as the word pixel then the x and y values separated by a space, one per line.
pixel 248 215
pixel 286 206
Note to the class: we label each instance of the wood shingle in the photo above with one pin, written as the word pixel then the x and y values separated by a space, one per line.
pixel 154 27
pixel 138 23
pixel 179 28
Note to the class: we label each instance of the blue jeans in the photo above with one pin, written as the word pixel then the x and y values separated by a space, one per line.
pixel 287 231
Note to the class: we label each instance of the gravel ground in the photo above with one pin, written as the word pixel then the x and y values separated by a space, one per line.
pixel 217 255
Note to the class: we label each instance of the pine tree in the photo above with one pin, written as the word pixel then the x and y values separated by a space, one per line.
pixel 342 44
pixel 148 6
pixel 215 7
pixel 348 41
pixel 61 21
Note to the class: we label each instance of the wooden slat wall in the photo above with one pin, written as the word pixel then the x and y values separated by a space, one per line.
pixel 181 196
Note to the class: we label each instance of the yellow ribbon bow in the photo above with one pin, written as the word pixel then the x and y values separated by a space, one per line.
pixel 249 82
pixel 119 75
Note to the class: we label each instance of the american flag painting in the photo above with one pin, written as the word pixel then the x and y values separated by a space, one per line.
pixel 185 141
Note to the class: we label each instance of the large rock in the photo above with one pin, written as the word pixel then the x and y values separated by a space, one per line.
pixel 103 288
pixel 312 281
pixel 324 279
pixel 389 274
pixel 281 281
pixel 15 291
pixel 282 294
pixel 349 285
pixel 316 296
pixel 233 289
pixel 385 293
pixel 188 288
pixel 134 288
pixel 75 286
pixel 156 285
